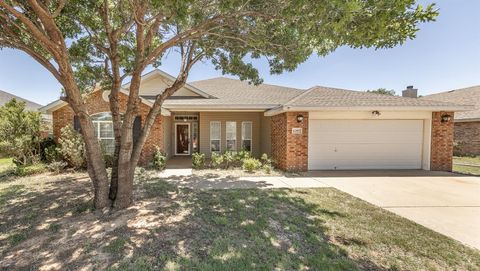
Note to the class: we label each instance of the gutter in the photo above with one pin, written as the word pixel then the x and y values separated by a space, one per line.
pixel 283 109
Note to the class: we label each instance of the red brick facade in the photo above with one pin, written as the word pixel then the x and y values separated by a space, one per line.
pixel 96 104
pixel 289 150
pixel 442 142
pixel 467 137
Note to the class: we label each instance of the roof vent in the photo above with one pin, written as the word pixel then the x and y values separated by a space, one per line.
pixel 410 92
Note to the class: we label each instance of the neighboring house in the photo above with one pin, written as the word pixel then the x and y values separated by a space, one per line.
pixel 316 129
pixel 6 97
pixel 467 124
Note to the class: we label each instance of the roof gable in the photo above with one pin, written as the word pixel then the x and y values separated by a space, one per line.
pixel 6 97
pixel 156 81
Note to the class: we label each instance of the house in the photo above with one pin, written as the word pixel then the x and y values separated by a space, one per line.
pixel 467 124
pixel 315 129
pixel 6 97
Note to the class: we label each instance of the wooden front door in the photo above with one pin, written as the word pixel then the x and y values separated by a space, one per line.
pixel 182 138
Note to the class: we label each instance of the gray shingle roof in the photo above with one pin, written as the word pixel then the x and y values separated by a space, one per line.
pixel 468 96
pixel 5 97
pixel 232 92
pixel 333 97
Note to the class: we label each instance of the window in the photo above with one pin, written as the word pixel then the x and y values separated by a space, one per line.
pixel 215 136
pixel 247 135
pixel 231 134
pixel 103 125
pixel 186 118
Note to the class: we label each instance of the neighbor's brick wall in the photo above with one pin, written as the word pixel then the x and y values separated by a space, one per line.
pixel 95 104
pixel 288 150
pixel 467 135
pixel 442 143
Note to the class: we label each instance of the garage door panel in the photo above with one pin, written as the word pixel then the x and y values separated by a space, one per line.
pixel 365 144
pixel 369 150
pixel 366 137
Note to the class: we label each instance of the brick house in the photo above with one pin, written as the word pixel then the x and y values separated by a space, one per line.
pixel 466 124
pixel 315 129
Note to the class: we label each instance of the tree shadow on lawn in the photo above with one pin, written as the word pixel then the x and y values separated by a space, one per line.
pixel 51 226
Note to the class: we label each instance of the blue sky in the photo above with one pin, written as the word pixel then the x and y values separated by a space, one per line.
pixel 444 56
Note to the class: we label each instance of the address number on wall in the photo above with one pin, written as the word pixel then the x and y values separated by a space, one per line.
pixel 297 131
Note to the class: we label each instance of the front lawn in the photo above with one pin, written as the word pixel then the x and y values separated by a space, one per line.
pixel 46 222
pixel 466 164
pixel 6 166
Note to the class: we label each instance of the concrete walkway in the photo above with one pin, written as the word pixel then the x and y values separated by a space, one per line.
pixel 444 202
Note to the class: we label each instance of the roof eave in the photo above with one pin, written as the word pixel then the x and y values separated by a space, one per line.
pixel 283 109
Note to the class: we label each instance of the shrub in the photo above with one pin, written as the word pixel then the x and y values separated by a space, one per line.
pixel 267 163
pixel 19 133
pixel 198 160
pixel 242 155
pixel 216 160
pixel 251 164
pixel 229 158
pixel 48 150
pixel 159 160
pixel 72 147
pixel 57 166
pixel 26 170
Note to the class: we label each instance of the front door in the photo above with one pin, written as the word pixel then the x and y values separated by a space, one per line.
pixel 182 138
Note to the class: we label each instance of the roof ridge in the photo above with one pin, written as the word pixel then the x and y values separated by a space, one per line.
pixel 238 80
pixel 305 92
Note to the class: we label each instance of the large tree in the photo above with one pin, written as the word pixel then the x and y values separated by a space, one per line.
pixel 87 43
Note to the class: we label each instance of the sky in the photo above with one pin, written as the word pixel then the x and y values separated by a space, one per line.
pixel 445 55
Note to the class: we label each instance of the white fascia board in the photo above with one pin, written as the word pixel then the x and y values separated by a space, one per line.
pixel 455 108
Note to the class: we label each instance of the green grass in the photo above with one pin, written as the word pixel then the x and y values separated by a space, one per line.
pixel 6 166
pixel 465 161
pixel 170 228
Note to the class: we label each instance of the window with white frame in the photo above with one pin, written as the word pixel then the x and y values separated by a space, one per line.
pixel 215 136
pixel 103 125
pixel 231 134
pixel 247 135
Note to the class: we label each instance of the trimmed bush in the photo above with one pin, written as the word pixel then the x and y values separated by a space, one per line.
pixel 242 155
pixel 72 147
pixel 216 160
pixel 229 159
pixel 251 164
pixel 198 160
pixel 159 160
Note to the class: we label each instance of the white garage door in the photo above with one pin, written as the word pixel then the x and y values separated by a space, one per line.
pixel 365 144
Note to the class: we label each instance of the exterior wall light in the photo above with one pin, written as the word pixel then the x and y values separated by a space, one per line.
pixel 376 113
pixel 446 118
pixel 299 118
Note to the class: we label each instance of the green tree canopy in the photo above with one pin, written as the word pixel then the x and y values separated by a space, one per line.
pixel 384 91
pixel 91 43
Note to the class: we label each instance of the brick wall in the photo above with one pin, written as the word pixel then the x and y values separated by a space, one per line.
pixel 96 104
pixel 442 142
pixel 290 151
pixel 467 135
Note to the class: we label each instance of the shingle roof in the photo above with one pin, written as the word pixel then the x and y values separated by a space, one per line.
pixel 468 96
pixel 5 97
pixel 232 92
pixel 333 97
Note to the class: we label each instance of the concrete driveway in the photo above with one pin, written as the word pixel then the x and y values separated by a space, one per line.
pixel 444 202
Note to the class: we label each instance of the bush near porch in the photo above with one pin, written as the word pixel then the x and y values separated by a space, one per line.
pixel 233 161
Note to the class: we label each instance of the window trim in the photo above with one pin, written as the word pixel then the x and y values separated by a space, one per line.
pixel 97 124
pixel 251 135
pixel 226 134
pixel 219 138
